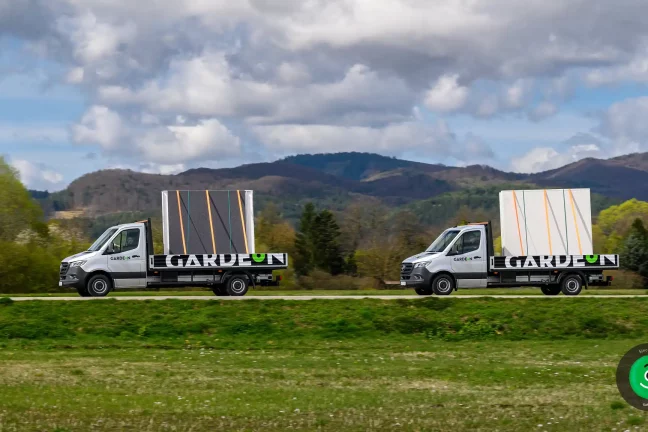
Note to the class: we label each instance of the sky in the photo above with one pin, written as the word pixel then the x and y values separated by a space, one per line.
pixel 166 85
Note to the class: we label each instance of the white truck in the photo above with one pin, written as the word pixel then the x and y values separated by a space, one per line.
pixel 463 256
pixel 221 255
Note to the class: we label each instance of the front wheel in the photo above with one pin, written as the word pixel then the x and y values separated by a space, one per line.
pixel 550 290
pixel 572 285
pixel 442 285
pixel 423 291
pixel 237 285
pixel 98 286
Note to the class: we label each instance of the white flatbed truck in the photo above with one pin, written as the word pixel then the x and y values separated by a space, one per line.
pixel 123 258
pixel 463 256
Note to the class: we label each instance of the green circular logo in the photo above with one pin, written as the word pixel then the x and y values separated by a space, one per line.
pixel 639 377
pixel 632 377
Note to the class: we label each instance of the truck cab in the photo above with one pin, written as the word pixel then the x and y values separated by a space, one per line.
pixel 459 257
pixel 119 254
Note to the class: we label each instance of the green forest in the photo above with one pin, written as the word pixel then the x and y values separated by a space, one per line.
pixel 358 247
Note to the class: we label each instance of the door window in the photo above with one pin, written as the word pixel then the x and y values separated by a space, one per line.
pixel 126 240
pixel 468 242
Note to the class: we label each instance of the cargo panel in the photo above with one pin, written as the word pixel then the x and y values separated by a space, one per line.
pixel 207 222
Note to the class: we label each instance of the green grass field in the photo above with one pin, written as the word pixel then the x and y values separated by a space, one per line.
pixel 478 364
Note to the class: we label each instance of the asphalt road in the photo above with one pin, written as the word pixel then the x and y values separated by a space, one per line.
pixel 319 297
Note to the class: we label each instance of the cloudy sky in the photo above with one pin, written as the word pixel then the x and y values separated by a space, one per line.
pixel 166 85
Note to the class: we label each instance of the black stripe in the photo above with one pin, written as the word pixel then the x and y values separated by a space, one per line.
pixel 478 275
pixel 128 275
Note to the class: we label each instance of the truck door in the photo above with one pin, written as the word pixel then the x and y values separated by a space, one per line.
pixel 126 259
pixel 469 257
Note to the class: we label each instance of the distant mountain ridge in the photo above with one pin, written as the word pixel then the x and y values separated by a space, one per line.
pixel 336 180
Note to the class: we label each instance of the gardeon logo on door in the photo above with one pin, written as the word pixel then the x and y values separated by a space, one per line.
pixel 556 261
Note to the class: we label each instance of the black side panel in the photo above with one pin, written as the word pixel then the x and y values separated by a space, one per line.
pixel 149 243
pixel 198 235
pixel 491 245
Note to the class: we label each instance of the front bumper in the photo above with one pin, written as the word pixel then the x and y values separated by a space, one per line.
pixel 419 277
pixel 72 277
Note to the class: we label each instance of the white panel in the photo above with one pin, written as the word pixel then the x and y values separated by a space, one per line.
pixel 559 223
pixel 249 219
pixel 165 221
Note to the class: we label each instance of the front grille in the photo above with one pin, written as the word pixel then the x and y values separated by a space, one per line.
pixel 64 268
pixel 406 269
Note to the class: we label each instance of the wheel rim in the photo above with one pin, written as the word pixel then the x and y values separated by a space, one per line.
pixel 572 285
pixel 99 286
pixel 237 286
pixel 443 285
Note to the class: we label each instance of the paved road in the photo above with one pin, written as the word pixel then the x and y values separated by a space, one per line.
pixel 307 297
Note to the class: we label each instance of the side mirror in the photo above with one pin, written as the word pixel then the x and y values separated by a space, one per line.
pixel 109 249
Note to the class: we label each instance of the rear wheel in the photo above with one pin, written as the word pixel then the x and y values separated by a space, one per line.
pixel 98 286
pixel 551 290
pixel 442 285
pixel 423 291
pixel 572 285
pixel 237 285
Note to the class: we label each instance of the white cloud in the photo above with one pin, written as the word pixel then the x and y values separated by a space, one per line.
pixel 517 93
pixel 103 126
pixel 446 95
pixel 38 176
pixel 160 144
pixel 547 158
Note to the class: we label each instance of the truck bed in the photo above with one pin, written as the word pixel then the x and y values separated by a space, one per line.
pixel 261 261
pixel 557 262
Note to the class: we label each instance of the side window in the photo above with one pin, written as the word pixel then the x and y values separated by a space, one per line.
pixel 468 242
pixel 126 240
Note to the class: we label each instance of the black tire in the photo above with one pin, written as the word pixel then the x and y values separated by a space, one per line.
pixel 220 290
pixel 237 285
pixel 443 285
pixel 571 285
pixel 423 291
pixel 83 292
pixel 98 286
pixel 550 290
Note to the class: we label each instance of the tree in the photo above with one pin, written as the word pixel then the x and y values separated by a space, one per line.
pixel 326 251
pixel 18 211
pixel 273 233
pixel 634 254
pixel 304 241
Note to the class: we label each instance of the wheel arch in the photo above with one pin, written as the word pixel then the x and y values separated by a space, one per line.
pixel 238 272
pixel 569 272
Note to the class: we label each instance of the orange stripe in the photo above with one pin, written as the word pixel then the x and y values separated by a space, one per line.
pixel 571 198
pixel 548 226
pixel 517 219
pixel 184 245
pixel 211 224
pixel 238 194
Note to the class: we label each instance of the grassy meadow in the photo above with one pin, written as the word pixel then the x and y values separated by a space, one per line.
pixel 411 365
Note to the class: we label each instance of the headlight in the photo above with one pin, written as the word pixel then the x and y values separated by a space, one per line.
pixel 421 264
pixel 77 263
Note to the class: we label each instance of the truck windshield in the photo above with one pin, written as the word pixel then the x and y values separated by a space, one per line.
pixel 102 240
pixel 442 241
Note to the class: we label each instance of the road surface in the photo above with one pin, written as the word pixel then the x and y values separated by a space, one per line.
pixel 316 297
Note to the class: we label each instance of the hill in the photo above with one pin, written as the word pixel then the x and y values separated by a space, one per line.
pixel 335 181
